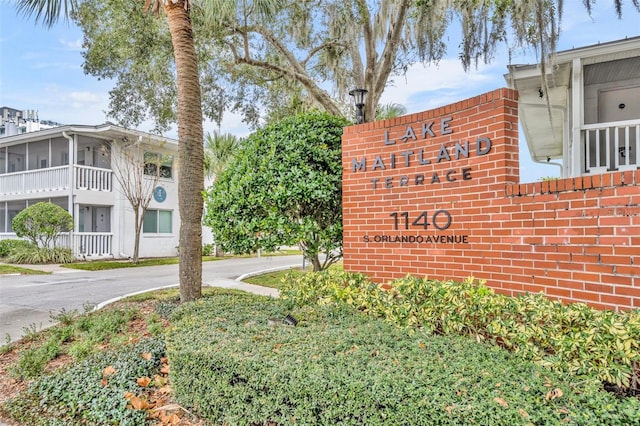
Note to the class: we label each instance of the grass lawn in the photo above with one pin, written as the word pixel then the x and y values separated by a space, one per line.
pixel 11 269
pixel 271 279
pixel 101 265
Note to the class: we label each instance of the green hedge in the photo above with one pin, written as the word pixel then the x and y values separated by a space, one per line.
pixel 572 339
pixel 338 366
pixel 8 246
pixel 77 395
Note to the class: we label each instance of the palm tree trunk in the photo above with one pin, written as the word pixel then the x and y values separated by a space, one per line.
pixel 190 150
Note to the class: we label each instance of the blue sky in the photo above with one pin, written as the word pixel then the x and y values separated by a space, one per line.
pixel 42 69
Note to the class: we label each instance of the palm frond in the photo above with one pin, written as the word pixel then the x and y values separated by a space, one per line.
pixel 48 12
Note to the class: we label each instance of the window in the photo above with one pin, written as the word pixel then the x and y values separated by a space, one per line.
pixel 151 162
pixel 157 222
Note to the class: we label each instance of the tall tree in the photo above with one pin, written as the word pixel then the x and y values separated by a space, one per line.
pixel 189 117
pixel 291 55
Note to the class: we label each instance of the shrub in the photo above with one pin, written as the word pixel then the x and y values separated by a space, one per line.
pixel 37 255
pixel 9 246
pixel 81 394
pixel 32 362
pixel 573 339
pixel 338 366
pixel 41 223
pixel 207 249
pixel 283 188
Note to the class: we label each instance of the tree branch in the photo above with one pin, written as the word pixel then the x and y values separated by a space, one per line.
pixel 318 49
pixel 297 71
pixel 390 51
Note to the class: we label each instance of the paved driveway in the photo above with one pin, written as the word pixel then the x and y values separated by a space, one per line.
pixel 27 300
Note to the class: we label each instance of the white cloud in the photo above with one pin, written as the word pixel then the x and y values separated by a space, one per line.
pixel 425 87
pixel 84 97
pixel 75 45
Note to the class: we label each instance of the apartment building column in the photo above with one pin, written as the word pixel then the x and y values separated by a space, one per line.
pixel 576 153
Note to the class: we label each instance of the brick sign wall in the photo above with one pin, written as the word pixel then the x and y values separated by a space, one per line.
pixel 436 194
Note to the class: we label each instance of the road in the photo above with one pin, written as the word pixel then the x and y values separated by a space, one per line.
pixel 26 301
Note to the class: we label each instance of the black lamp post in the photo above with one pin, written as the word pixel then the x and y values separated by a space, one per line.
pixel 359 95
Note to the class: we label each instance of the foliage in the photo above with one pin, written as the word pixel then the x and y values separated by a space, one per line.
pixel 219 150
pixel 572 339
pixel 85 332
pixel 33 361
pixel 39 255
pixel 391 110
pixel 291 56
pixel 8 246
pixel 85 394
pixel 207 249
pixel 340 367
pixel 283 188
pixel 41 223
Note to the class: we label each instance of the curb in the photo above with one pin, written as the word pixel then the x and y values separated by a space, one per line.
pixel 268 291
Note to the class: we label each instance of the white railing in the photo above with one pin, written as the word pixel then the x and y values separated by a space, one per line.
pixel 34 181
pixel 85 244
pixel 93 178
pixel 55 179
pixel 611 146
pixel 92 244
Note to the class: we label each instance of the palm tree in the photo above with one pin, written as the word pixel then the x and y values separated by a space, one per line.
pixel 190 148
pixel 219 149
pixel 391 110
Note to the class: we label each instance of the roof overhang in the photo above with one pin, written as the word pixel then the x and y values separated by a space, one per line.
pixel 542 112
pixel 106 131
pixel 543 115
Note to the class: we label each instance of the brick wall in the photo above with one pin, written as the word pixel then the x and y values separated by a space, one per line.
pixel 437 194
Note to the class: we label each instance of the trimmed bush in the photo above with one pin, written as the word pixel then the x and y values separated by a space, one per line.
pixel 9 246
pixel 82 394
pixel 572 339
pixel 42 222
pixel 338 366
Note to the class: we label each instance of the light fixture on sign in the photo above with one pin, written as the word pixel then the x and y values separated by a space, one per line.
pixel 358 96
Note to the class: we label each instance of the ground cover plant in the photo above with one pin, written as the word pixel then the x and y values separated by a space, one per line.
pixel 105 367
pixel 232 356
pixel 573 339
pixel 234 361
pixel 9 245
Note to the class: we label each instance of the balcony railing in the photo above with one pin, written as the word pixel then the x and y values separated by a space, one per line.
pixel 55 179
pixel 96 244
pixel 611 146
pixel 93 178
pixel 83 244
pixel 35 181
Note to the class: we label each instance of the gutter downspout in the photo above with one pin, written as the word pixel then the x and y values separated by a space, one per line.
pixel 548 162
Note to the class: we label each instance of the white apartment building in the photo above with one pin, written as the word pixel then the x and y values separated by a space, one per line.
pixel 71 166
pixel 588 115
